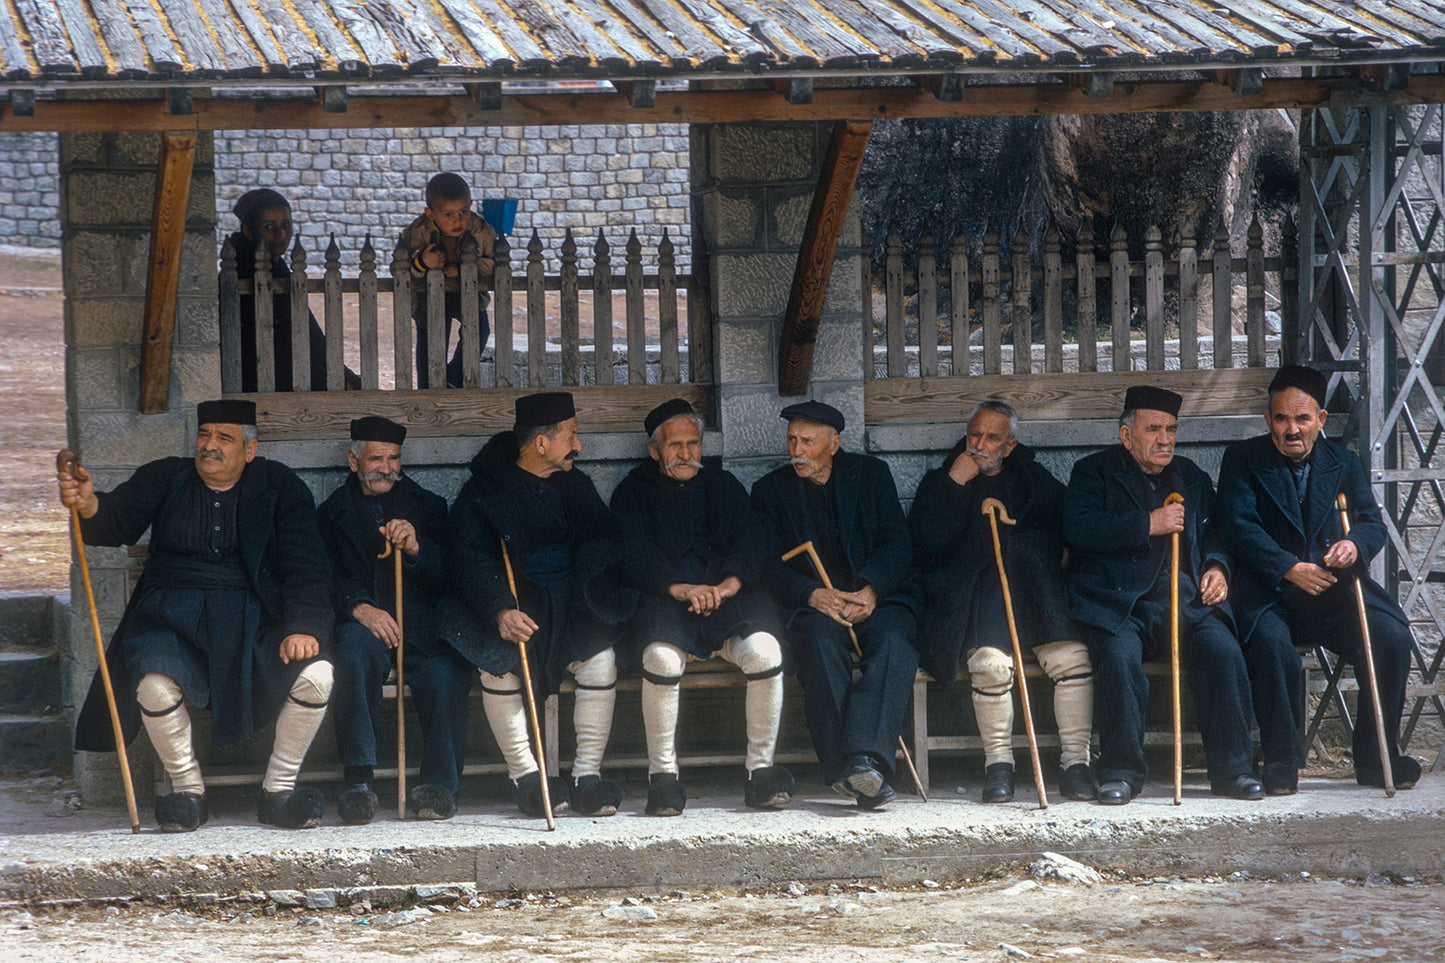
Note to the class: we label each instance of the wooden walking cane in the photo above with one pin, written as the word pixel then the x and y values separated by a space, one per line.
pixel 996 513
pixel 531 701
pixel 1386 768
pixel 857 649
pixel 67 463
pixel 1171 499
pixel 400 685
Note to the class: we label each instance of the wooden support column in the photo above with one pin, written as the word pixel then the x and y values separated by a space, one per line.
pixel 168 231
pixel 815 258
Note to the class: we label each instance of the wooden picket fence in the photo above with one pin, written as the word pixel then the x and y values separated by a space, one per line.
pixel 525 353
pixel 994 299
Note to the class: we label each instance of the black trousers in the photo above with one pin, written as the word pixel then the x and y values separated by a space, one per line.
pixel 440 681
pixel 847 717
pixel 1218 679
pixel 1330 619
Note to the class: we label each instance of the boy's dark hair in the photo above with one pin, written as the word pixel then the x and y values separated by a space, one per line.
pixel 447 186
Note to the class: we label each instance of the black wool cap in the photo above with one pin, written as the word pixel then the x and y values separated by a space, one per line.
pixel 545 409
pixel 1152 398
pixel 815 411
pixel 664 412
pixel 227 411
pixel 1308 380
pixel 377 428
pixel 255 201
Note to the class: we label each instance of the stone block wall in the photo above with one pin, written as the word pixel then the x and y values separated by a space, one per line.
pixel 105 208
pixel 359 182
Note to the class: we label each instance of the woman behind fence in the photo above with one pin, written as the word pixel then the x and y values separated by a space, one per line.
pixel 265 217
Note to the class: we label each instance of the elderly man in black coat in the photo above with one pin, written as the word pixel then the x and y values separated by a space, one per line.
pixel 380 509
pixel 847 506
pixel 231 612
pixel 953 554
pixel 1118 527
pixel 567 613
pixel 695 551
pixel 1279 518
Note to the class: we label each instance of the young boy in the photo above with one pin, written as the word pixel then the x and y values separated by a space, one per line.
pixel 431 243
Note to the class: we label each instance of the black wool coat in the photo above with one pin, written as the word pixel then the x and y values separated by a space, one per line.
pixel 658 518
pixel 870 519
pixel 281 551
pixel 953 550
pixel 577 619
pixel 1262 526
pixel 359 576
pixel 1112 560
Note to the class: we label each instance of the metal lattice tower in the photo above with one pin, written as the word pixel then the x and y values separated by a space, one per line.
pixel 1372 306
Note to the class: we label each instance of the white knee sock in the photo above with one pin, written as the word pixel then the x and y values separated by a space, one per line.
pixel 592 717
pixel 296 726
pixel 761 659
pixel 662 668
pixel 507 715
pixel 991 674
pixel 1067 663
pixel 163 709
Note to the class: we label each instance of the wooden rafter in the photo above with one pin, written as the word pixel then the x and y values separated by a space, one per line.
pixel 163 278
pixel 717 107
pixel 815 257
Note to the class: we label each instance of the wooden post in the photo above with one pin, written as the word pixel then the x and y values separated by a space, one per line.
pixel 300 321
pixel 1222 295
pixel 636 319
pixel 1088 309
pixel 401 322
pixel 366 295
pixel 1254 317
pixel 470 306
pixel 958 304
pixel 1022 314
pixel 1154 298
pixel 1053 303
pixel 163 280
pixel 1188 303
pixel 1119 297
pixel 335 327
pixel 927 307
pixel 536 315
pixel 992 308
pixel 670 363
pixel 502 311
pixel 570 315
pixel 894 345
pixel 815 257
pixel 602 355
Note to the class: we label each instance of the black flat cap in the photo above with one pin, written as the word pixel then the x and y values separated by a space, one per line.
pixel 544 409
pixel 1152 398
pixel 227 411
pixel 1308 380
pixel 664 412
pixel 815 411
pixel 255 201
pixel 377 428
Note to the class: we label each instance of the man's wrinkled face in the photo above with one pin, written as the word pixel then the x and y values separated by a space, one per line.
pixel 1295 421
pixel 562 446
pixel 678 449
pixel 990 440
pixel 1150 439
pixel 379 467
pixel 811 448
pixel 222 453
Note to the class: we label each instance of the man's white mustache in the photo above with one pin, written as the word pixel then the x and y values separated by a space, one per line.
pixel 391 476
pixel 205 453
pixel 685 463
pixel 797 460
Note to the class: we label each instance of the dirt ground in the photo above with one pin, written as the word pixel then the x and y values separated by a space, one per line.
pixel 34 555
pixel 1004 917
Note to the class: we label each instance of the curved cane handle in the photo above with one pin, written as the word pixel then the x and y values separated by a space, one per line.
pixel 386 552
pixel 1174 498
pixel 994 506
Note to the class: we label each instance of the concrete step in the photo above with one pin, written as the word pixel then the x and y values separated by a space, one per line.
pixel 30 742
pixel 27 621
pixel 29 680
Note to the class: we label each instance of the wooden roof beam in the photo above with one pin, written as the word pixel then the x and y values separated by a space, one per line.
pixel 333 99
pixel 22 102
pixel 163 276
pixel 180 102
pixel 487 96
pixel 798 90
pixel 947 88
pixel 815 258
pixel 1096 84
pixel 1390 77
pixel 640 94
pixel 1247 81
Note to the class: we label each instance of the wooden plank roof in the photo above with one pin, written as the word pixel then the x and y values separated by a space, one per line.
pixel 194 41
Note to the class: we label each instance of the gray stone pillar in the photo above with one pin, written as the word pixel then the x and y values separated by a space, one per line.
pixel 752 189
pixel 107 190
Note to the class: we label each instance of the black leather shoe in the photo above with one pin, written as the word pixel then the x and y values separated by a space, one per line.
pixel 665 795
pixel 595 796
pixel 1115 793
pixel 878 800
pixel 181 812
pixel 769 788
pixel 1404 768
pixel 1244 787
pixel 431 802
pixel 358 804
pixel 298 809
pixel 998 783
pixel 1279 779
pixel 863 779
pixel 1076 783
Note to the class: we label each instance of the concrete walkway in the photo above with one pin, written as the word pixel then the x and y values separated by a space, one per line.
pixel 1330 828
